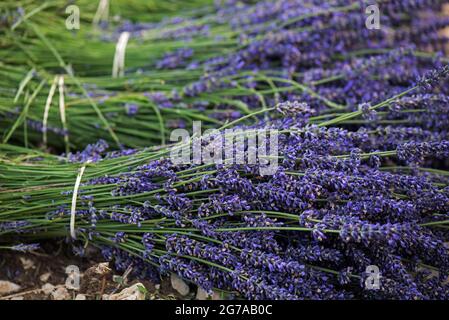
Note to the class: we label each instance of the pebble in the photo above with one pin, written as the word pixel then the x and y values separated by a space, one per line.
pixel 60 293
pixel 80 297
pixel 48 288
pixel 102 269
pixel 179 285
pixel 27 263
pixel 131 293
pixel 8 287
pixel 45 276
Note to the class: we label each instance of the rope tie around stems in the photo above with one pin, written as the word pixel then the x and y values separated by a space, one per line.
pixel 62 113
pixel 118 68
pixel 75 197
pixel 102 12
pixel 47 109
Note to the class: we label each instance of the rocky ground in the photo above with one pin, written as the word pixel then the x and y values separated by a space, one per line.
pixel 50 274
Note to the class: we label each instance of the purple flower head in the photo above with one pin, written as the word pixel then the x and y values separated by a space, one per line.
pixel 22 247
pixel 432 77
pixel 413 152
pixel 295 108
pixel 160 99
pixel 131 109
pixel 15 226
pixel 92 152
pixel 174 59
pixel 368 113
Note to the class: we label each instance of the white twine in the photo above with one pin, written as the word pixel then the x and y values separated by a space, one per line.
pixel 61 99
pixel 75 197
pixel 102 12
pixel 118 68
pixel 62 110
pixel 47 110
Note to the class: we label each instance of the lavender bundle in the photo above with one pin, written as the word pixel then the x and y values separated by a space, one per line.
pixel 356 207
pixel 340 203
pixel 309 232
pixel 252 56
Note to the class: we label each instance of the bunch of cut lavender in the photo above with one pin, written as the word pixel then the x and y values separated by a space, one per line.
pixel 237 59
pixel 361 174
pixel 339 203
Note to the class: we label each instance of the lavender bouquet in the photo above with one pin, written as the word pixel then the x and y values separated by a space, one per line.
pixel 354 128
pixel 215 65
pixel 339 205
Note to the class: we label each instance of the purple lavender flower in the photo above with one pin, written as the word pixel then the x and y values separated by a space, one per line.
pixel 160 99
pixel 174 59
pixel 92 152
pixel 413 152
pixel 272 262
pixel 294 108
pixel 367 112
pixel 15 226
pixel 131 109
pixel 22 247
pixel 186 32
pixel 432 77
pixel 183 245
